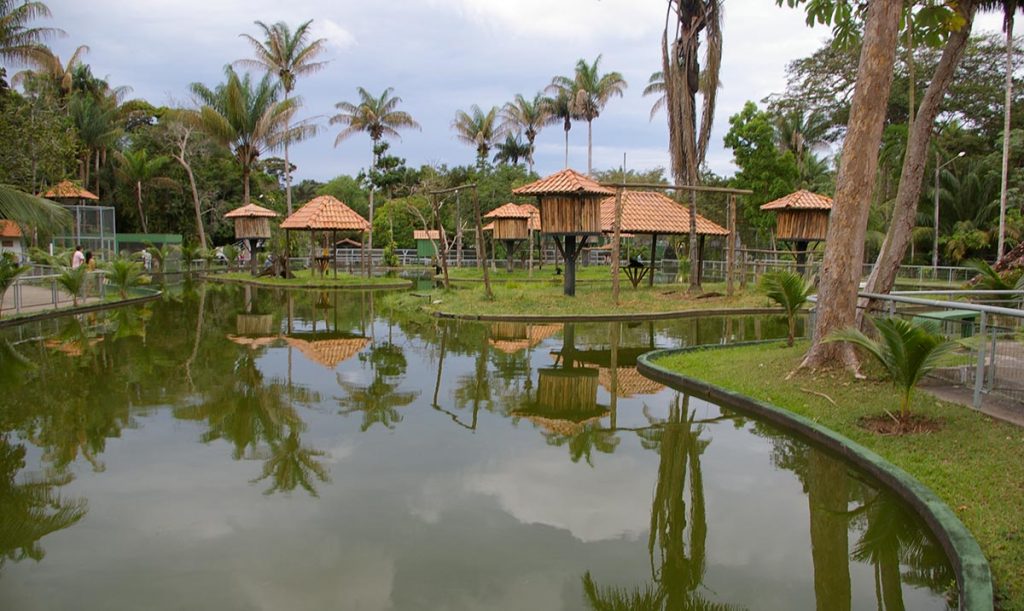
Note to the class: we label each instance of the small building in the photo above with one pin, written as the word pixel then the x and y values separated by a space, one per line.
pixel 801 217
pixel 11 239
pixel 426 242
pixel 93 226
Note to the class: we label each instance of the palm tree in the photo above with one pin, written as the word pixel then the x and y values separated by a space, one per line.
pixel 289 55
pixel 800 133
pixel 247 118
pixel 9 270
pixel 137 168
pixel 511 150
pixel 478 128
pixel 378 117
pixel 789 290
pixel 124 274
pixel 18 41
pixel 292 464
pixel 527 117
pixel 907 351
pixel 50 67
pixel 32 211
pixel 96 120
pixel 591 90
pixel 656 86
pixel 72 281
pixel 560 108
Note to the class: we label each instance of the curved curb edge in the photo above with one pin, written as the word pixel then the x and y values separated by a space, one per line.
pixel 321 287
pixel 96 307
pixel 972 570
pixel 639 316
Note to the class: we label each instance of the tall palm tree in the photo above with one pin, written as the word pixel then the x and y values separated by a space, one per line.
pixel 527 117
pixel 800 133
pixel 49 66
pixel 378 117
pixel 32 211
pixel 142 171
pixel 511 150
pixel 479 129
pixel 656 86
pixel 591 90
pixel 20 43
pixel 288 55
pixel 247 118
pixel 560 108
pixel 96 120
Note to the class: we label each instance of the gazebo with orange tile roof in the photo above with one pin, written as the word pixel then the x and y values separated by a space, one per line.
pixel 653 213
pixel 570 208
pixel 325 213
pixel 252 223
pixel 510 225
pixel 801 218
pixel 67 190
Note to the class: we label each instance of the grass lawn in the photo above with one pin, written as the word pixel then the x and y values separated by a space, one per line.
pixel 583 274
pixel 975 463
pixel 306 278
pixel 513 298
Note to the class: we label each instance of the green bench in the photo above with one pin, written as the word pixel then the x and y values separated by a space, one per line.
pixel 966 318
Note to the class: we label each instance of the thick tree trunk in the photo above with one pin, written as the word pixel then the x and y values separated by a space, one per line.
pixel 590 147
pixel 904 216
pixel 245 185
pixel 567 146
pixel 287 165
pixel 138 200
pixel 844 250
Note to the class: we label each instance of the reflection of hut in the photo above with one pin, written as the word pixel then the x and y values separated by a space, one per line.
pixel 252 223
pixel 426 242
pixel 329 352
pixel 654 213
pixel 73 347
pixel 629 382
pixel 326 214
pixel 801 218
pixel 252 342
pixel 508 338
pixel 511 226
pixel 568 390
pixel 570 209
pixel 254 324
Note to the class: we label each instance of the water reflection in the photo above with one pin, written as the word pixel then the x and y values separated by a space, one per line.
pixel 602 489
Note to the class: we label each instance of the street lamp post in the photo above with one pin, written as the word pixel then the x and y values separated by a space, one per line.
pixel 935 244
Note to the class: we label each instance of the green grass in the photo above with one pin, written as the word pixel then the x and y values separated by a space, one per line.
pixel 306 278
pixel 595 273
pixel 975 463
pixel 513 298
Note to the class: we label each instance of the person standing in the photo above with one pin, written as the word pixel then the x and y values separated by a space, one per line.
pixel 78 258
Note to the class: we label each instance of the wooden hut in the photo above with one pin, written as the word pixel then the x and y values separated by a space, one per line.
pixel 570 212
pixel 67 192
pixel 801 219
pixel 252 223
pixel 325 214
pixel 511 226
pixel 655 214
pixel 426 242
pixel 329 352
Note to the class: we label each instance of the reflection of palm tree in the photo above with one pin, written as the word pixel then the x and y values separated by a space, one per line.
pixel 291 464
pixel 31 509
pixel 581 444
pixel 380 399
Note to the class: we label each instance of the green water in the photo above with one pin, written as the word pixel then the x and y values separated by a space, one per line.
pixel 234 449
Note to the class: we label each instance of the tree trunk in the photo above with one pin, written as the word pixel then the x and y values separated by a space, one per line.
pixel 844 250
pixel 245 185
pixel 480 240
pixel 138 200
pixel 827 497
pixel 195 202
pixel 369 240
pixel 904 216
pixel 590 147
pixel 1006 137
pixel 287 166
pixel 567 144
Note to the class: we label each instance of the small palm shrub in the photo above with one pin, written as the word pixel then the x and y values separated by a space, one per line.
pixel 124 274
pixel 988 279
pixel 72 281
pixel 789 290
pixel 907 351
pixel 231 254
pixel 9 270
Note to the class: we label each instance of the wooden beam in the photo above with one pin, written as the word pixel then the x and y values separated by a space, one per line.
pixel 697 188
pixel 730 250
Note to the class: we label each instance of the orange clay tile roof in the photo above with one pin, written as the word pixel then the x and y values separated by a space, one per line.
pixel 652 212
pixel 429 234
pixel 508 211
pixel 250 211
pixel 329 352
pixel 566 181
pixel 488 227
pixel 802 199
pixel 630 382
pixel 534 223
pixel 9 229
pixel 66 189
pixel 326 213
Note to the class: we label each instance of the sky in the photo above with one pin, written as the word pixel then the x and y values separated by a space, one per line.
pixel 441 56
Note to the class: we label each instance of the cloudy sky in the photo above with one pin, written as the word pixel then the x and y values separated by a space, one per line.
pixel 441 56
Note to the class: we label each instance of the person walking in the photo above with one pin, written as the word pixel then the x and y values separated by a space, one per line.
pixel 78 258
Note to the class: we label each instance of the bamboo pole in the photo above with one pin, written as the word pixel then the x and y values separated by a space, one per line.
pixel 616 244
pixel 730 253
pixel 480 240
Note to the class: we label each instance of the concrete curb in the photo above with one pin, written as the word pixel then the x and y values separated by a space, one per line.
pixel 638 317
pixel 96 307
pixel 972 571
pixel 405 284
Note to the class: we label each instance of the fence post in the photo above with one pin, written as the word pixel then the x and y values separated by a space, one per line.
pixel 979 371
pixel 992 362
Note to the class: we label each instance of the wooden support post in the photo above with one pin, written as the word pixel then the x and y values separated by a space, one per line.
pixel 480 240
pixel 730 249
pixel 654 253
pixel 616 245
pixel 569 287
pixel 700 260
pixel 334 253
pixel 287 252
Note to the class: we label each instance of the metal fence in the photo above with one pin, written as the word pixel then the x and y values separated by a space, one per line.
pixel 989 329
pixel 41 291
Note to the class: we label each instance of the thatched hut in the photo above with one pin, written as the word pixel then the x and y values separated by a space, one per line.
pixel 801 219
pixel 252 223
pixel 511 226
pixel 570 211
pixel 68 193
pixel 655 214
pixel 326 214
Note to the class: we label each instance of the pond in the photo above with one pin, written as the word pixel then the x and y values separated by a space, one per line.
pixel 239 448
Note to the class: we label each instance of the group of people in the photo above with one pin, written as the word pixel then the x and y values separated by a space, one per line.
pixel 79 259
